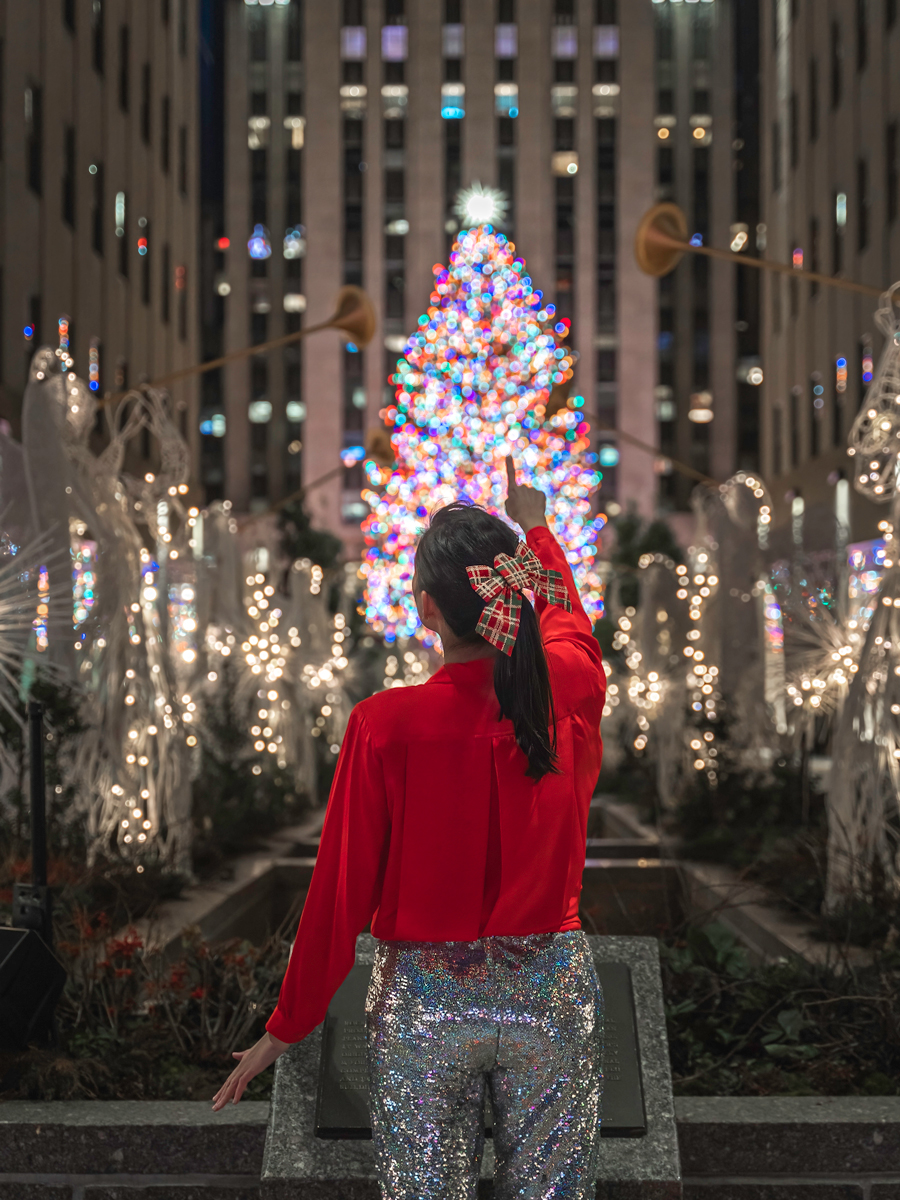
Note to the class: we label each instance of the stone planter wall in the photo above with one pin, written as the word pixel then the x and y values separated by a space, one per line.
pixel 775 1148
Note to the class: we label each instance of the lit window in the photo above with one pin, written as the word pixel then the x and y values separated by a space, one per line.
pixel 297 128
pixel 296 411
pixel 294 302
pixel 353 43
pixel 213 426
pixel 506 99
pixel 453 101
pixel 258 132
pixel 840 209
pixel 506 41
pixel 259 245
pixel 394 97
pixel 565 41
pixel 564 97
pixel 260 411
pixel 609 456
pixel 564 162
pixel 294 245
pixel 606 41
pixel 393 43
pixel 454 41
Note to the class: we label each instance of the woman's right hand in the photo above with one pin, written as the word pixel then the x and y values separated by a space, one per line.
pixel 525 505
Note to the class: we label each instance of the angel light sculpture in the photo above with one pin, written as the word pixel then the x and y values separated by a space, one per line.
pixel 863 807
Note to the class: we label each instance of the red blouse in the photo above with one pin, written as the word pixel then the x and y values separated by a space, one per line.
pixel 433 830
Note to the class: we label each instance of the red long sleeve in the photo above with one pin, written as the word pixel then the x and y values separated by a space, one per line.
pixel 434 832
pixel 345 887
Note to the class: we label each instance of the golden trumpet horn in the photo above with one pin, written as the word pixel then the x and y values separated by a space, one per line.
pixel 354 315
pixel 656 245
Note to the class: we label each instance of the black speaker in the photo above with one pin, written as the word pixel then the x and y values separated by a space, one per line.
pixel 31 982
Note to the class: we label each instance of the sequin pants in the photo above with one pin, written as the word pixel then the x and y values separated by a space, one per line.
pixel 520 1016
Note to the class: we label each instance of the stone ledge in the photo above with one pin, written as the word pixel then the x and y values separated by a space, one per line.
pixel 134 1137
pixel 736 1189
pixel 789 1135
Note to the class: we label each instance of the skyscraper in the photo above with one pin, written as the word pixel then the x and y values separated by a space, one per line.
pixel 98 194
pixel 353 130
pixel 831 202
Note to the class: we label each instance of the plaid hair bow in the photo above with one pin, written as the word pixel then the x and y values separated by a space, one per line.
pixel 502 585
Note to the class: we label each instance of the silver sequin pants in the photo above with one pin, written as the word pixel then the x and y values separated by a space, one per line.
pixel 519 1016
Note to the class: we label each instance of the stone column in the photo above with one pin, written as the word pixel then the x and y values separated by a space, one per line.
pixel 276 439
pixel 373 213
pixel 534 183
pixel 323 219
pixel 722 276
pixel 236 376
pixel 585 283
pixel 424 154
pixel 479 144
pixel 637 307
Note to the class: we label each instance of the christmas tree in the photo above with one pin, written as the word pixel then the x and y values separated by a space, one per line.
pixel 473 387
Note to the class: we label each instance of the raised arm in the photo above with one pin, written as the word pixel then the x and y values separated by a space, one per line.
pixel 345 888
pixel 527 507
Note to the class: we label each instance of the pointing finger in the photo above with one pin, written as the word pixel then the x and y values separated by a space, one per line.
pixel 510 472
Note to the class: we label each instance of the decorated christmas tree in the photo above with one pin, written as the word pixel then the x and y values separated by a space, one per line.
pixel 474 386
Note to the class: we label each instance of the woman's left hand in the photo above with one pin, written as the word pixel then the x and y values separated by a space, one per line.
pixel 250 1063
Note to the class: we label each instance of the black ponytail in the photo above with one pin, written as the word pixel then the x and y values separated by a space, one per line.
pixel 463 535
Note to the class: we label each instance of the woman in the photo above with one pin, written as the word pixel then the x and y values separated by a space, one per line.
pixel 458 828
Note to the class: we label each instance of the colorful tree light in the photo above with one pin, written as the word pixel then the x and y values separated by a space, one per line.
pixel 472 388
pixel 840 375
pixel 94 365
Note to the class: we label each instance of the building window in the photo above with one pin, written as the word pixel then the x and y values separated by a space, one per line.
pixel 182 160
pixel 776 156
pixel 794 113
pixel 777 446
pixel 837 78
pixel 814 253
pixel 862 36
pixel 256 37
pixel 892 171
pixel 258 187
pixel 816 403
pixel 68 15
pixel 862 203
pixel 294 40
pixel 890 13
pixel 182 27
pixel 166 274
pixel 124 65
pixel 164 7
pixel 145 103
pixel 181 289
pixel 813 99
pixel 97 223
pixel 98 36
pixel 68 178
pixel 122 232
pixel 34 132
pixel 795 429
pixel 165 134
pixel 144 252
pixel 837 241
pixel 606 12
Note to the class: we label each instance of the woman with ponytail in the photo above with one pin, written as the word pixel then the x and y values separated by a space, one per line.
pixel 457 826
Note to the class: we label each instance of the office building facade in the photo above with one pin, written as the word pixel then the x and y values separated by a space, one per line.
pixel 831 204
pixel 351 129
pixel 99 195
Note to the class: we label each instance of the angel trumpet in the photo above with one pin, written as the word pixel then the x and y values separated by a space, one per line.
pixel 353 315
